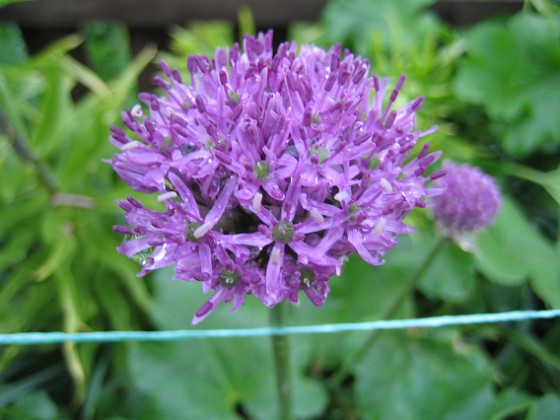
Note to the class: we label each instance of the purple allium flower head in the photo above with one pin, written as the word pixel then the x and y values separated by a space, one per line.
pixel 469 202
pixel 271 169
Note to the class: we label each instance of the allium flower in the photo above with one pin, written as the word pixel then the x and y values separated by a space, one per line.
pixel 271 169
pixel 470 201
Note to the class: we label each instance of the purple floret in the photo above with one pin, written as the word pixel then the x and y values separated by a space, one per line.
pixel 470 202
pixel 272 168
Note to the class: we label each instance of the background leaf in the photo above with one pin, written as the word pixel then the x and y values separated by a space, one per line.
pixel 210 378
pixel 415 377
pixel 510 69
pixel 512 249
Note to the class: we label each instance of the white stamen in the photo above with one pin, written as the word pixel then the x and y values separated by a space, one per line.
pixel 341 196
pixel 166 195
pixel 379 226
pixel 275 256
pixel 136 110
pixel 386 185
pixel 202 230
pixel 131 145
pixel 158 256
pixel 257 201
pixel 318 217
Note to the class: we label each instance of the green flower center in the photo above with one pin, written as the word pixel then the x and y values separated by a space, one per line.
pixel 307 276
pixel 283 232
pixel 229 277
pixel 353 208
pixel 262 170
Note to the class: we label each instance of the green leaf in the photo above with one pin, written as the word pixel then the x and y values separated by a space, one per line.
pixel 38 406
pixel 10 107
pixel 546 408
pixel 54 110
pixel 22 211
pixel 201 37
pixel 246 22
pixel 548 180
pixel 451 276
pixel 512 250
pixel 10 165
pixel 399 23
pixel 218 375
pixel 85 76
pixel 12 46
pixel 510 69
pixel 508 403
pixel 54 52
pixel 422 376
pixel 108 48
pixel 23 386
pixel 498 250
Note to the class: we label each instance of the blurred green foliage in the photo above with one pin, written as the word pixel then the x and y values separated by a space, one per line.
pixel 58 267
pixel 491 90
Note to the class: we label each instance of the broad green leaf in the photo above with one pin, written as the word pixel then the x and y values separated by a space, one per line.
pixel 509 403
pixel 498 251
pixel 548 180
pixel 546 408
pixel 512 249
pixel 510 69
pixel 399 23
pixel 37 405
pixel 218 374
pixel 451 275
pixel 423 375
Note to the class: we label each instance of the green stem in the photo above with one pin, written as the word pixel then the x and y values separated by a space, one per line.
pixel 281 351
pixel 391 311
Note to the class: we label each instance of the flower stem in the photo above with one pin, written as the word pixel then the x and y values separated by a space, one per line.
pixel 281 351
pixel 408 288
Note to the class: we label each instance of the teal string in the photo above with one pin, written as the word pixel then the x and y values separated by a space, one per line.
pixel 34 338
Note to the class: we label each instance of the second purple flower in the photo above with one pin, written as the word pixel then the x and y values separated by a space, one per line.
pixel 271 170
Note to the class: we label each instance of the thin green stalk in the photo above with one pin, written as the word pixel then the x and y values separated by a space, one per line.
pixel 281 351
pixel 406 290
